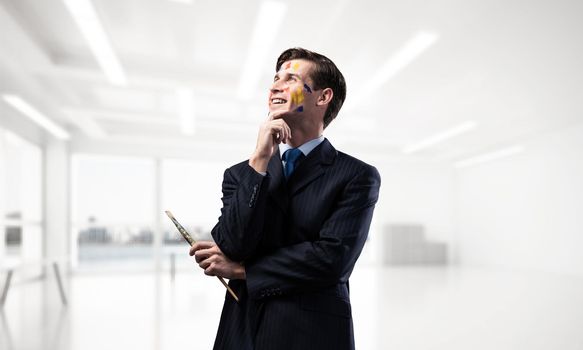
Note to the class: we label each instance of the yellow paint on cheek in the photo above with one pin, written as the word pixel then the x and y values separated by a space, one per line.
pixel 297 96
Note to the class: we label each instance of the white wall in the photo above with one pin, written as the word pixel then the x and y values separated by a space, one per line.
pixel 414 193
pixel 526 211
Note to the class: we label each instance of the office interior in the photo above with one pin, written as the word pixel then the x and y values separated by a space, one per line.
pixel 113 111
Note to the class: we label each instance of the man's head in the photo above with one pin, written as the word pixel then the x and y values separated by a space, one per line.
pixel 313 79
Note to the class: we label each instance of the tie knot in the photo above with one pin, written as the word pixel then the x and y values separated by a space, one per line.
pixel 290 158
pixel 291 155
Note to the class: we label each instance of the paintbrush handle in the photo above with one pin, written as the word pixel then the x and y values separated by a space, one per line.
pixel 188 238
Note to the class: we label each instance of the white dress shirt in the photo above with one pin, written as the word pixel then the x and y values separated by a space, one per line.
pixel 306 148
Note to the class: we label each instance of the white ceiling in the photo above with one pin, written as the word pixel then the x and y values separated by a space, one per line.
pixel 514 67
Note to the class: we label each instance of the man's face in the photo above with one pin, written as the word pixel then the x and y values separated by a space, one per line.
pixel 291 90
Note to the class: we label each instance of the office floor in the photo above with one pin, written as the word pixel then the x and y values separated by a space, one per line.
pixel 394 308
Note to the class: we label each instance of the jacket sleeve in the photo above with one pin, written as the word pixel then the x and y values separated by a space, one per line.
pixel 240 226
pixel 328 260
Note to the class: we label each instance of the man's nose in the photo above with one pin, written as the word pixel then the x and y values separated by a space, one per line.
pixel 276 86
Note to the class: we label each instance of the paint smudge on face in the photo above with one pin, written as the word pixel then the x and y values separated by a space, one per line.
pixel 297 96
pixel 296 66
pixel 287 65
pixel 307 88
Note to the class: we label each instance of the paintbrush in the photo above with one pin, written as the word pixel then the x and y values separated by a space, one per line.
pixel 191 241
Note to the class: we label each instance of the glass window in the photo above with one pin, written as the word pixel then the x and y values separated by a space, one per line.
pixel 113 208
pixel 21 207
pixel 192 192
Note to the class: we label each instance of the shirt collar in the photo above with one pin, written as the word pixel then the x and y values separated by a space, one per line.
pixel 306 148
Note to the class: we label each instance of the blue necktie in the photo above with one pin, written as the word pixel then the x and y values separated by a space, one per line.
pixel 290 157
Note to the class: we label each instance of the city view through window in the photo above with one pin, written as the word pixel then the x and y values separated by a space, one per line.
pixel 116 202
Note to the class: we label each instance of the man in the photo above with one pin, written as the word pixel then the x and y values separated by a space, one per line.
pixel 294 220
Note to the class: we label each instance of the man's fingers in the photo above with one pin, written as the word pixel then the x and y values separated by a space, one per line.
pixel 285 131
pixel 200 245
pixel 279 135
pixel 280 130
pixel 203 254
pixel 277 127
pixel 276 115
pixel 206 262
pixel 289 134
pixel 200 257
pixel 210 271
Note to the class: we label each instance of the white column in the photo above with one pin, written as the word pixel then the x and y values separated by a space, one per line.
pixel 157 243
pixel 157 246
pixel 29 164
pixel 2 196
pixel 56 199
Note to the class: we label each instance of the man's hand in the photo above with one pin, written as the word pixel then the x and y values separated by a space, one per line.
pixel 271 133
pixel 214 263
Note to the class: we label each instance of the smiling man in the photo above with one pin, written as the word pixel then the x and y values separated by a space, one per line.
pixel 295 218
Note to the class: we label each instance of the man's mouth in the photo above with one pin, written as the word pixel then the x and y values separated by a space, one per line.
pixel 278 101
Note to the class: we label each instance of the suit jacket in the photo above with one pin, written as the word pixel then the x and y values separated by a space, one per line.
pixel 299 240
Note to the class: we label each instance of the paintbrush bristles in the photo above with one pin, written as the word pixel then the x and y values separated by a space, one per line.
pixel 181 229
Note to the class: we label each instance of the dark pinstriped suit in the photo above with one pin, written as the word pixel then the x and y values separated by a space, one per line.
pixel 299 240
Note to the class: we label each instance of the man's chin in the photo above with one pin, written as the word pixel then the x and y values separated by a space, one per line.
pixel 280 111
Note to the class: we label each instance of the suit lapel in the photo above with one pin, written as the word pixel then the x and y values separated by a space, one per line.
pixel 312 167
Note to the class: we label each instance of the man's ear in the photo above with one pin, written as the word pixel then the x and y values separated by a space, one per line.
pixel 325 97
